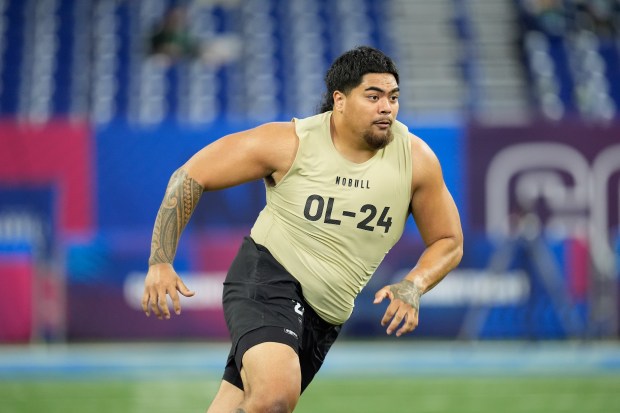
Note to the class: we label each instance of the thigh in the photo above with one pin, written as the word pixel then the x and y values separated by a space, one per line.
pixel 256 337
pixel 271 371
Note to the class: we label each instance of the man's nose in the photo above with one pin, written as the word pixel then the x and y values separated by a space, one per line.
pixel 385 106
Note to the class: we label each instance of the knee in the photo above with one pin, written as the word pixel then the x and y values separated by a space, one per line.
pixel 272 404
pixel 278 406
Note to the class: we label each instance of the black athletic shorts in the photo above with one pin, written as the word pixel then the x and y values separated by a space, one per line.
pixel 264 303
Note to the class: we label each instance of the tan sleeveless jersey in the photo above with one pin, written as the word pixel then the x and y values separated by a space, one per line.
pixel 330 222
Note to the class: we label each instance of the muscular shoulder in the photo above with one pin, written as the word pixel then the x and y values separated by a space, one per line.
pixel 276 133
pixel 425 165
pixel 266 151
pixel 419 148
pixel 278 142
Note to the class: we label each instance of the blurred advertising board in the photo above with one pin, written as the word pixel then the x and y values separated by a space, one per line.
pixel 551 193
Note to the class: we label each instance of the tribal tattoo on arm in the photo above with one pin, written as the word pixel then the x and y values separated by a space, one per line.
pixel 407 292
pixel 182 196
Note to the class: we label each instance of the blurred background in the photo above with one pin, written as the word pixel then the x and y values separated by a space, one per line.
pixel 101 100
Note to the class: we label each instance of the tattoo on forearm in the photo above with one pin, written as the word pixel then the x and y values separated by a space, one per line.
pixel 407 291
pixel 182 196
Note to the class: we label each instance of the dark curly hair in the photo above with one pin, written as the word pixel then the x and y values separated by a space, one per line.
pixel 347 71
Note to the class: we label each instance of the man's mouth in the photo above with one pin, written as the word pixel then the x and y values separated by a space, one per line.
pixel 383 123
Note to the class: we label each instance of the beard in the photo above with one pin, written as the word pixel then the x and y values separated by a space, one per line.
pixel 378 141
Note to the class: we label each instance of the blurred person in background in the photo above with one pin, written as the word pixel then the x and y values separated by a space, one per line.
pixel 340 187
pixel 172 40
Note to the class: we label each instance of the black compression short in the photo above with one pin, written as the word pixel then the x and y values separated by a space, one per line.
pixel 264 303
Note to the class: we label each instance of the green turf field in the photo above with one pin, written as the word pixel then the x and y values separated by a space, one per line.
pixel 548 394
pixel 360 395
pixel 357 377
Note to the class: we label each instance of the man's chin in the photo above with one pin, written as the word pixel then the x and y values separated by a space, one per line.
pixel 379 141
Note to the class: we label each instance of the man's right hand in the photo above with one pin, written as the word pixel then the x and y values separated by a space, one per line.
pixel 160 281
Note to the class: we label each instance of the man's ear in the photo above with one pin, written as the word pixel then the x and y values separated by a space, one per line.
pixel 339 101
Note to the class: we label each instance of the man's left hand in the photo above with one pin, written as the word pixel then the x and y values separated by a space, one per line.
pixel 403 309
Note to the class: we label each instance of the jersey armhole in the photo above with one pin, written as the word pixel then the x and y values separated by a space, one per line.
pixel 293 164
